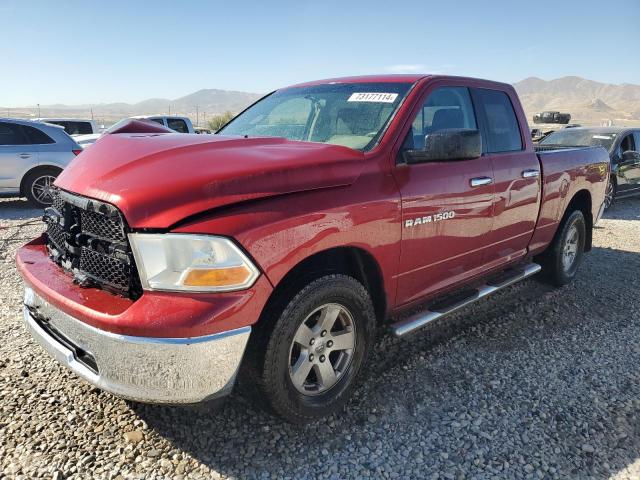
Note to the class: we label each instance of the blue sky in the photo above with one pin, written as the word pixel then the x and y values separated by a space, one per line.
pixel 89 52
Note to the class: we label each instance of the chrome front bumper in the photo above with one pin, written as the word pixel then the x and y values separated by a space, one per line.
pixel 154 370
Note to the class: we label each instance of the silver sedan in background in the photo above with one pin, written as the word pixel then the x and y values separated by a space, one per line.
pixel 32 154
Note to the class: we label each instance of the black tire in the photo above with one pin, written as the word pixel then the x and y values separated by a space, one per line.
pixel 36 178
pixel 610 193
pixel 557 268
pixel 271 353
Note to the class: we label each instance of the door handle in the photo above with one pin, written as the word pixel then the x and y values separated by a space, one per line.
pixel 480 181
pixel 530 173
pixel 25 155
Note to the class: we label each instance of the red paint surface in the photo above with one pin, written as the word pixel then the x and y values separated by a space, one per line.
pixel 157 180
pixel 284 201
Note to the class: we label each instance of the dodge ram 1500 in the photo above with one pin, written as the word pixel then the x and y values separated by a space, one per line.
pixel 171 262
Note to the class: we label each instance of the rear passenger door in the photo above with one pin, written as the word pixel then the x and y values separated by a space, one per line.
pixel 16 155
pixel 516 178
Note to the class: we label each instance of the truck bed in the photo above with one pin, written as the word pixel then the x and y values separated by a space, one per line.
pixel 566 172
pixel 565 158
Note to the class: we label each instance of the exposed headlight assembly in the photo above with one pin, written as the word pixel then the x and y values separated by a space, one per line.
pixel 196 263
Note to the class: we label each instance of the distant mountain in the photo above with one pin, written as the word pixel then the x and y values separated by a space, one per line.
pixel 598 105
pixel 201 104
pixel 217 100
pixel 587 101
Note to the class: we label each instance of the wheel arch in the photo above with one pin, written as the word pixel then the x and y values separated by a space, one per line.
pixel 348 260
pixel 45 166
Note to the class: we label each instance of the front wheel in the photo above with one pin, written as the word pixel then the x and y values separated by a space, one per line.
pixel 316 349
pixel 561 261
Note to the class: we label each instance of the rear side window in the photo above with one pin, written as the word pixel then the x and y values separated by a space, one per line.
pixel 73 127
pixel 36 137
pixel 501 127
pixel 11 134
pixel 178 125
pixel 79 128
pixel 65 125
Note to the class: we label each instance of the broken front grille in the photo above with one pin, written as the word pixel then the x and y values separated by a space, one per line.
pixel 88 239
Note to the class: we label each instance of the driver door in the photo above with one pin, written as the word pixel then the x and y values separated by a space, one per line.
pixel 446 205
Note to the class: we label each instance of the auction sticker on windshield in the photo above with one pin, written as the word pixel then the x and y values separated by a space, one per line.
pixel 373 97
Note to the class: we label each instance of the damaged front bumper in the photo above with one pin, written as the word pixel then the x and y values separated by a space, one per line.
pixel 145 369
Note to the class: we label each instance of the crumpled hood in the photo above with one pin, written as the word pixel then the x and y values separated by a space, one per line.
pixel 157 180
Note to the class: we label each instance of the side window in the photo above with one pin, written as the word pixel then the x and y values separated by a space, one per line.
pixel 78 128
pixel 66 125
pixel 178 125
pixel 627 143
pixel 502 128
pixel 36 137
pixel 444 108
pixel 158 120
pixel 84 128
pixel 637 138
pixel 11 134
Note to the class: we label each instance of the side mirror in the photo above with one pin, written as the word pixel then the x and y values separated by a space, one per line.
pixel 630 156
pixel 447 145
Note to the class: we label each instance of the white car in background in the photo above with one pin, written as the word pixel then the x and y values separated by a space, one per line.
pixel 32 154
pixel 73 126
pixel 179 124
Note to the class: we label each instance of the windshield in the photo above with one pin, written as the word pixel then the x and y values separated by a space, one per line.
pixel 353 115
pixel 573 137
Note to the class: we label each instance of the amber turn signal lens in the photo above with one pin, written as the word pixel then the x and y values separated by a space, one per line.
pixel 217 277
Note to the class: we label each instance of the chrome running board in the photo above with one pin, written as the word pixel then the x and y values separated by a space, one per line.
pixel 419 320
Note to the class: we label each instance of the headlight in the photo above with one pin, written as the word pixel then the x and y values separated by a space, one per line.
pixel 202 263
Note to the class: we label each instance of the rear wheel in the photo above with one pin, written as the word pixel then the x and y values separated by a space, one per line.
pixel 561 261
pixel 38 184
pixel 316 348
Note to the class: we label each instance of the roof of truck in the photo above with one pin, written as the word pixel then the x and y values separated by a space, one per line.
pixel 398 78
pixel 412 78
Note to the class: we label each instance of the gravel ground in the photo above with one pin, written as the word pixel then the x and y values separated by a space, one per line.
pixel 532 383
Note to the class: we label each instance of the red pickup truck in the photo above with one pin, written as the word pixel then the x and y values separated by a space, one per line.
pixel 279 245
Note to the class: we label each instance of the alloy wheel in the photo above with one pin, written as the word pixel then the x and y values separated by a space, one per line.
pixel 608 195
pixel 322 349
pixel 570 250
pixel 41 189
